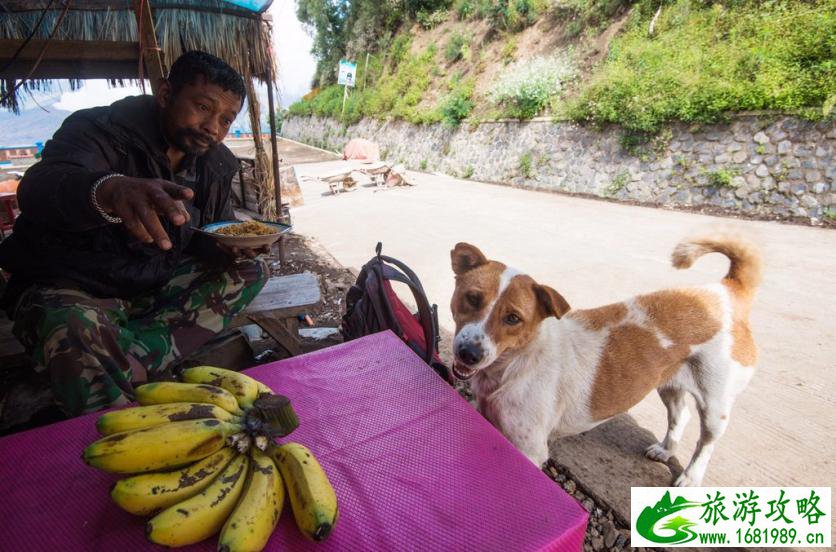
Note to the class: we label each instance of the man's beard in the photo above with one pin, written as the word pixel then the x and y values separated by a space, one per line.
pixel 189 141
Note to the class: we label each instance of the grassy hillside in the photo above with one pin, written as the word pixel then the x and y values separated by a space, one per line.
pixel 594 61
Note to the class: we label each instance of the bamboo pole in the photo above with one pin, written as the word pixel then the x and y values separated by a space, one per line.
pixel 274 146
pixel 151 53
pixel 261 172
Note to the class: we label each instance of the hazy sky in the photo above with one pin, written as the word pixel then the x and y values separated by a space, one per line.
pixel 291 42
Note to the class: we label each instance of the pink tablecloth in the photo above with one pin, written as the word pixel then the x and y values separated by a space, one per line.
pixel 413 465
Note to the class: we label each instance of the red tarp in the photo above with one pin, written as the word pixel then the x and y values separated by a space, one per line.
pixel 362 150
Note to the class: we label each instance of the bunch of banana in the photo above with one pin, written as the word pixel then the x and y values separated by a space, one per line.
pixel 204 461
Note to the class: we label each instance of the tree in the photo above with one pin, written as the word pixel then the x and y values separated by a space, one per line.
pixel 343 28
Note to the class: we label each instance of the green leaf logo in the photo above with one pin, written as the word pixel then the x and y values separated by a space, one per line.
pixel 681 527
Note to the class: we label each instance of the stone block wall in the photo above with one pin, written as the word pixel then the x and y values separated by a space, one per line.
pixel 757 165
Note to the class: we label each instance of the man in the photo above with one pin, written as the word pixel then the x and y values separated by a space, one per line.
pixel 110 284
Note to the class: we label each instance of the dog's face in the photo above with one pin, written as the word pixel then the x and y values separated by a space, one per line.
pixel 496 309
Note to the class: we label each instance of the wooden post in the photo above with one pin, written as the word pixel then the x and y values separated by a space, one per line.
pixel 365 70
pixel 274 145
pixel 261 172
pixel 345 95
pixel 151 54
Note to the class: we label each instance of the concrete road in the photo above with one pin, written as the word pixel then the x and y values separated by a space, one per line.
pixel 290 152
pixel 593 252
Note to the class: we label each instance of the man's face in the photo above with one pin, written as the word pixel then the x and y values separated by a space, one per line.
pixel 198 117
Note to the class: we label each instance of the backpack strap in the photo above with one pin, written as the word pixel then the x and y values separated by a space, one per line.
pixel 382 309
pixel 425 312
pixel 405 269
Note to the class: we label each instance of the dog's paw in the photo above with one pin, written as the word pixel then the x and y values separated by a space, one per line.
pixel 685 480
pixel 658 453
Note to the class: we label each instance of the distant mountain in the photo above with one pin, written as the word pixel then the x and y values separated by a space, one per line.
pixel 32 125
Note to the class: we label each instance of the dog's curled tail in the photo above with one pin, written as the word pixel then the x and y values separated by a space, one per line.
pixel 745 268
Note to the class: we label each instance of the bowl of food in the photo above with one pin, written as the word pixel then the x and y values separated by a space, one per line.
pixel 247 234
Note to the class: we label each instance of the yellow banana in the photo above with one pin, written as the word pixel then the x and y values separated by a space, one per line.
pixel 263 388
pixel 252 521
pixel 159 447
pixel 241 385
pixel 150 492
pixel 139 417
pixel 311 495
pixel 174 391
pixel 202 515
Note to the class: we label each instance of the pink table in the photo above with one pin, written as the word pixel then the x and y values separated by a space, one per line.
pixel 413 465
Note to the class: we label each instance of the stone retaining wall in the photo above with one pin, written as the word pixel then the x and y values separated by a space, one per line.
pixel 759 165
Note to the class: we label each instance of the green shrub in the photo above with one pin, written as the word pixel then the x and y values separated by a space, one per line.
pixel 574 28
pixel 526 88
pixel 514 15
pixel 509 49
pixel 468 172
pixel 721 178
pixel 458 105
pixel 400 48
pixel 618 182
pixel 525 165
pixel 483 8
pixel 706 59
pixel 430 20
pixel 597 13
pixel 423 165
pixel 396 93
pixel 458 47
pixel 464 9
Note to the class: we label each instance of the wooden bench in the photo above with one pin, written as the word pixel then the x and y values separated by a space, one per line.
pixel 277 307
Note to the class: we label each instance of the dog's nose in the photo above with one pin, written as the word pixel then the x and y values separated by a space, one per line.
pixel 470 353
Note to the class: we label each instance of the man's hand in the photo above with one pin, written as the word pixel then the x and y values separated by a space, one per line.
pixel 244 252
pixel 140 202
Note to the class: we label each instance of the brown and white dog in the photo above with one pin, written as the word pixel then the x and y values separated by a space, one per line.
pixel 541 370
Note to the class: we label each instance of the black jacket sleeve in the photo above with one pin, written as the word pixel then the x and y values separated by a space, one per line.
pixel 55 191
pixel 224 208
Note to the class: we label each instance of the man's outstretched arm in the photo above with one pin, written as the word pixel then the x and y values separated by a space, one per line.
pixel 76 184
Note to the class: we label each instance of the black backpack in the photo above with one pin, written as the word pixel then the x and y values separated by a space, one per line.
pixel 373 306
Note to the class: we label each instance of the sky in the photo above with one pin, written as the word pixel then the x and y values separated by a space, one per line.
pixel 296 68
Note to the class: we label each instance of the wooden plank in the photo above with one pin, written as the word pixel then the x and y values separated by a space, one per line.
pixel 233 353
pixel 70 50
pixel 72 59
pixel 295 291
pixel 280 332
pixel 284 297
pixel 73 70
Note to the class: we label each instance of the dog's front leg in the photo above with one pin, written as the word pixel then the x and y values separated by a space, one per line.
pixel 532 443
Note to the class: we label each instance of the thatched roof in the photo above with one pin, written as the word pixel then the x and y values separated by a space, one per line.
pixel 227 29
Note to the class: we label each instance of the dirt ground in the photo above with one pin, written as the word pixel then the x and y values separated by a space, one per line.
pixel 306 255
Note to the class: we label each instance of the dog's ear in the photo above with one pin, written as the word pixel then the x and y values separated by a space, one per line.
pixel 466 257
pixel 551 303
